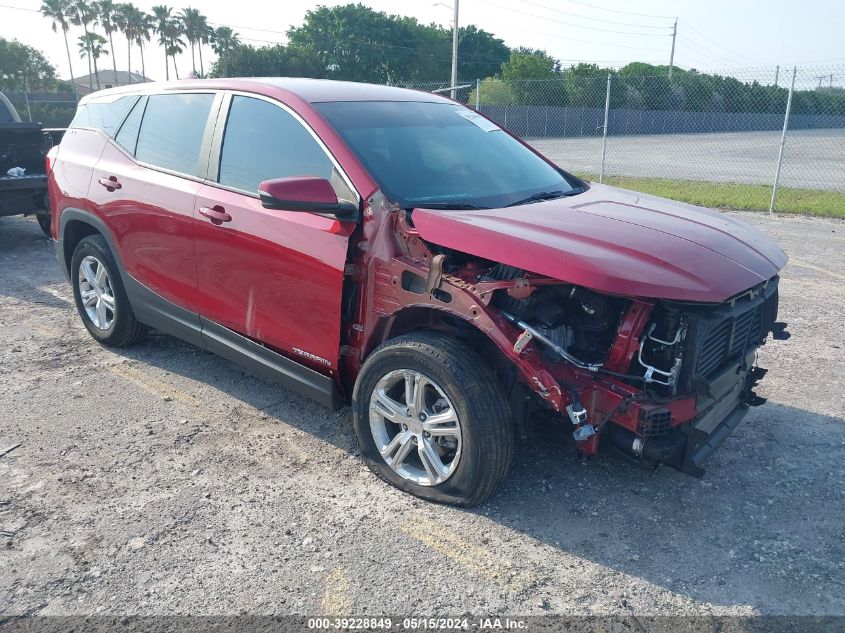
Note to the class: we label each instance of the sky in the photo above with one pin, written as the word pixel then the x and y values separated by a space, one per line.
pixel 743 38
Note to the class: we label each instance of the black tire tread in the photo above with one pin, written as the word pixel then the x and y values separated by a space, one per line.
pixel 129 330
pixel 481 389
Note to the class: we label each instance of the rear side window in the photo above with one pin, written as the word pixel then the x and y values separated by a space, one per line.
pixel 172 130
pixel 262 141
pixel 105 116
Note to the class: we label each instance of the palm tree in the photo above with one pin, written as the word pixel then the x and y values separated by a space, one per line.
pixel 59 12
pixel 190 19
pixel 162 17
pixel 109 20
pixel 82 14
pixel 203 37
pixel 143 29
pixel 122 20
pixel 93 45
pixel 223 42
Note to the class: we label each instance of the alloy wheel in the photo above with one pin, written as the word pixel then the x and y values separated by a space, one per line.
pixel 96 293
pixel 415 427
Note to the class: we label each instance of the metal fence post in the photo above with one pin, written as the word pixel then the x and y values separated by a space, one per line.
pixel 783 141
pixel 477 95
pixel 604 131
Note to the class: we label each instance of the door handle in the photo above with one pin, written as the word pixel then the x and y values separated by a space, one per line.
pixel 110 183
pixel 217 214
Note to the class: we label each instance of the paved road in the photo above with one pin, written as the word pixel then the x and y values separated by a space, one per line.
pixel 813 159
pixel 162 479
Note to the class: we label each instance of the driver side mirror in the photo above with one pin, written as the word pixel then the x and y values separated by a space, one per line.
pixel 303 193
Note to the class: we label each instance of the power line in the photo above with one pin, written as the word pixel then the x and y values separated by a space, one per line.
pixel 642 15
pixel 579 26
pixel 582 41
pixel 702 54
pixel 587 17
pixel 723 47
pixel 9 6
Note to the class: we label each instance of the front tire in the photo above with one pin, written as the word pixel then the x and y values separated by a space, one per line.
pixel 431 419
pixel 100 297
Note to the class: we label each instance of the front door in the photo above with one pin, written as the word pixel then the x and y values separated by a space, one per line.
pixel 273 276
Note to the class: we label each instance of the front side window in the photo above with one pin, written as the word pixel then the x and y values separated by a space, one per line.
pixel 442 155
pixel 262 141
pixel 172 130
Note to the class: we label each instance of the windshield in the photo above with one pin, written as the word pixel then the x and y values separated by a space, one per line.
pixel 442 155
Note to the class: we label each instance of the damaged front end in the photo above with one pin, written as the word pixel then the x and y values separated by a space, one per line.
pixel 664 381
pixel 670 380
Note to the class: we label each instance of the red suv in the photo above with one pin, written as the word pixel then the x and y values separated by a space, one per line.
pixel 395 249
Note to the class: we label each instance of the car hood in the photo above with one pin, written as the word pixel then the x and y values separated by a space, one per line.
pixel 615 241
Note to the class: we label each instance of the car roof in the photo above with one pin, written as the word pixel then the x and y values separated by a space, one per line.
pixel 310 90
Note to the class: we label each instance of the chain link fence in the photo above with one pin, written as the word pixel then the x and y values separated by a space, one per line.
pixel 768 142
pixel 655 133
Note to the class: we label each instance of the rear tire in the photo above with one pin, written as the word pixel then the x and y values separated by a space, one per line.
pixel 100 297
pixel 44 222
pixel 431 419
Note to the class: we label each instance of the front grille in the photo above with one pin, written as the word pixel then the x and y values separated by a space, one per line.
pixel 729 340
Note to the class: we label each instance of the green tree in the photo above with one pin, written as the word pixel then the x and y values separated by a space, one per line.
pixel 204 33
pixel 93 45
pixel 534 78
pixel 356 43
pixel 194 25
pixel 109 16
pixel 84 13
pixel 23 67
pixel 265 61
pixel 650 83
pixel 60 12
pixel 224 42
pixel 162 17
pixel 525 63
pixel 144 28
pixel 480 54
pixel 494 91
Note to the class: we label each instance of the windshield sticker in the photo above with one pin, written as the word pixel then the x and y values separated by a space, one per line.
pixel 480 121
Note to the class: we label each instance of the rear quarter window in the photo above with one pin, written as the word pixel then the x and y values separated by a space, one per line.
pixel 103 115
pixel 127 137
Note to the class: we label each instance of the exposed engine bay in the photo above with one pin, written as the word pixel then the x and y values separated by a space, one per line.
pixel 685 370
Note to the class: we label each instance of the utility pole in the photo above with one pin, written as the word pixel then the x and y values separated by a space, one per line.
pixel 455 51
pixel 820 78
pixel 672 54
pixel 830 85
pixel 777 72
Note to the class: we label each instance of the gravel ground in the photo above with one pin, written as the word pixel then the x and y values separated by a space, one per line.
pixel 813 159
pixel 164 480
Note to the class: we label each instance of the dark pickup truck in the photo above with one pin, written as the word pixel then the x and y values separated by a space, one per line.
pixel 24 146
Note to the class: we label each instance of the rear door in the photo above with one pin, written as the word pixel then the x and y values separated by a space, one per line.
pixel 145 186
pixel 273 276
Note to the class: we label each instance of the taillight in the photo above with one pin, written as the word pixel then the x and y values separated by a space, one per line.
pixel 51 158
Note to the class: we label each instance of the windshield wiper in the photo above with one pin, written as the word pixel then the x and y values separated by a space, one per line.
pixel 547 195
pixel 456 206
